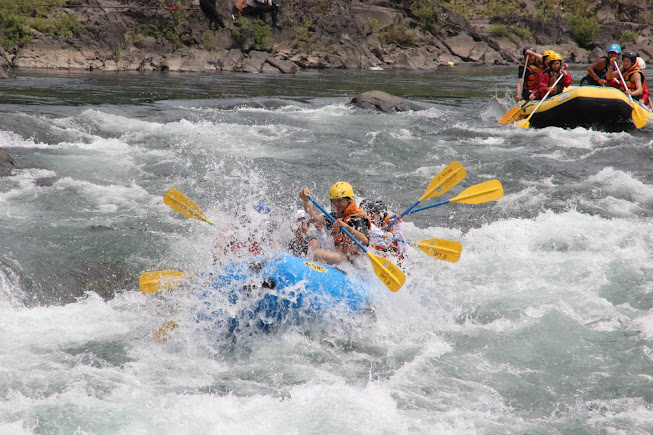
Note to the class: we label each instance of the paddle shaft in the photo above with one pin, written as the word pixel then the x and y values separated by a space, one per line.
pixel 332 219
pixel 520 85
pixel 396 218
pixel 623 83
pixel 430 206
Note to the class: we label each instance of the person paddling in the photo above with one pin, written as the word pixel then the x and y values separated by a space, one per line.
pixel 538 75
pixel 550 77
pixel 632 75
pixel 383 240
pixel 596 72
pixel 347 215
pixel 527 72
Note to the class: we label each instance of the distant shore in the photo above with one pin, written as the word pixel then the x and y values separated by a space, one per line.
pixel 112 36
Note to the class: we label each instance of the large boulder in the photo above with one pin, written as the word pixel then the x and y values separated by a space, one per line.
pixel 379 100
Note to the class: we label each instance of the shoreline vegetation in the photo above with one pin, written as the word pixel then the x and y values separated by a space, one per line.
pixel 174 35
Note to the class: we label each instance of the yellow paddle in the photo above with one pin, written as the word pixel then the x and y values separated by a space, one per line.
pixel 151 282
pixel 525 123
pixel 446 250
pixel 510 114
pixel 453 174
pixel 387 272
pixel 184 205
pixel 638 113
pixel 477 194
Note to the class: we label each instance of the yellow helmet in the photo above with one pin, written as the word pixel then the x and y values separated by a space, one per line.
pixel 548 53
pixel 341 189
pixel 554 56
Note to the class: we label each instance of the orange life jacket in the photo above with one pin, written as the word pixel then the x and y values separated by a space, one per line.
pixel 631 84
pixel 529 78
pixel 341 240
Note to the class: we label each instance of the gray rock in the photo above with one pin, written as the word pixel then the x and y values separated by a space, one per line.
pixel 255 61
pixel 233 60
pixel 7 164
pixel 379 100
pixel 285 66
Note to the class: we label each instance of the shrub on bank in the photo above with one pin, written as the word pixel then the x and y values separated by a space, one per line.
pixel 18 20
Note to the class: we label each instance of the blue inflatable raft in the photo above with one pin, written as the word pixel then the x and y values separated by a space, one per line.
pixel 266 293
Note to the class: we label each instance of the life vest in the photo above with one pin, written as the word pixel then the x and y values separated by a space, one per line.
pixel 601 73
pixel 529 78
pixel 341 240
pixel 393 248
pixel 631 84
pixel 552 79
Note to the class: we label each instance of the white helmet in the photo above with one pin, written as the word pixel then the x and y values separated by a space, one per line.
pixel 641 64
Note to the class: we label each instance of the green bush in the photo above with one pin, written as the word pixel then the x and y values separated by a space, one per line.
pixel 501 8
pixel 261 32
pixel 18 18
pixel 400 36
pixel 524 33
pixel 546 10
pixel 628 36
pixel 499 31
pixel 63 25
pixel 576 7
pixel 516 33
pixel 427 16
pixel 583 29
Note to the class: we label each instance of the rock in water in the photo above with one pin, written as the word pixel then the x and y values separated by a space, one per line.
pixel 379 100
pixel 6 163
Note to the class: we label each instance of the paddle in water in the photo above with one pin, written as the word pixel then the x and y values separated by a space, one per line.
pixel 388 273
pixel 512 113
pixel 446 250
pixel 151 282
pixel 453 174
pixel 184 205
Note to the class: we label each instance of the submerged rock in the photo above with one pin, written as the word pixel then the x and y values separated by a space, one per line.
pixel 7 164
pixel 379 100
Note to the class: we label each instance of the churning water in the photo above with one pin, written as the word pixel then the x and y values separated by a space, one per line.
pixel 545 325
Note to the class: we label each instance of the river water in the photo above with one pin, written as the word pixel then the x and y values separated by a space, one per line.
pixel 545 325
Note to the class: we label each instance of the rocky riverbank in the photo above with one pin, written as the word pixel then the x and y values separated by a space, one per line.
pixel 151 35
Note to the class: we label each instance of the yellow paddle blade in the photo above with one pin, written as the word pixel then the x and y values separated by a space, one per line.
pixel 510 116
pixel 483 192
pixel 639 115
pixel 387 272
pixel 453 174
pixel 446 250
pixel 523 123
pixel 161 336
pixel 184 205
pixel 151 282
